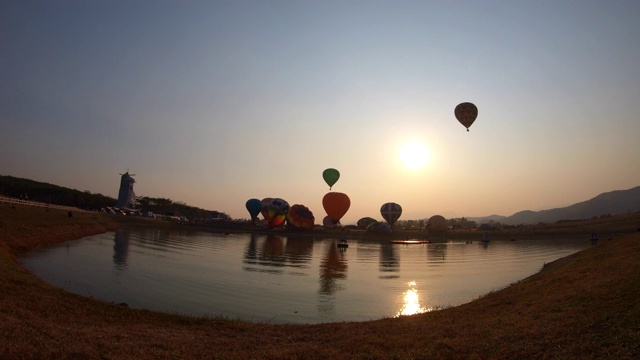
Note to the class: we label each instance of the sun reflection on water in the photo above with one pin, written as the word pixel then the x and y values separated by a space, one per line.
pixel 411 302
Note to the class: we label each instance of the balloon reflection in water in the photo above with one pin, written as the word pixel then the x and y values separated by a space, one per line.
pixel 411 302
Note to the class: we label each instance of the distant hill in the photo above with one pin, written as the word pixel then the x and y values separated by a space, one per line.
pixel 486 219
pixel 52 194
pixel 609 203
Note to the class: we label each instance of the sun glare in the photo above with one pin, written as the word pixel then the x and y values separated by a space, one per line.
pixel 411 302
pixel 414 155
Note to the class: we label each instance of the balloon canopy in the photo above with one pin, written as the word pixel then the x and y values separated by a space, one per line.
pixel 300 217
pixel 391 212
pixel 379 227
pixel 466 114
pixel 277 212
pixel 336 205
pixel 326 221
pixel 365 221
pixel 265 204
pixel 437 223
pixel 254 206
pixel 330 176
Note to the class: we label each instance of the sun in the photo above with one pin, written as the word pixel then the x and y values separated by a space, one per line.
pixel 414 155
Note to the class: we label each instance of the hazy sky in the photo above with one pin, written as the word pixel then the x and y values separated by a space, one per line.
pixel 216 102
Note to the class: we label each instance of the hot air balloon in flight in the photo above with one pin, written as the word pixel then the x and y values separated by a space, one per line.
pixel 254 206
pixel 277 212
pixel 466 114
pixel 300 217
pixel 330 176
pixel 391 212
pixel 336 205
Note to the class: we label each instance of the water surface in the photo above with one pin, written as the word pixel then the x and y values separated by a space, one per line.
pixel 287 279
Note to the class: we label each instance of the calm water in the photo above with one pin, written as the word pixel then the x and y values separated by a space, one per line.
pixel 279 279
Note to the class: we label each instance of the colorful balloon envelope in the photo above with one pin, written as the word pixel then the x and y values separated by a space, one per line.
pixel 300 217
pixel 466 114
pixel 254 206
pixel 265 205
pixel 365 222
pixel 331 176
pixel 336 205
pixel 379 227
pixel 277 212
pixel 391 212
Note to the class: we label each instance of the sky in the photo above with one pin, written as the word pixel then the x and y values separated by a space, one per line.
pixel 213 103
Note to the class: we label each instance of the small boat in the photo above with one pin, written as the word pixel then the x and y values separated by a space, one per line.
pixel 410 242
pixel 342 243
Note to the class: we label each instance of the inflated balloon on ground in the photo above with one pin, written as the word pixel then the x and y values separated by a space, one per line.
pixel 437 223
pixel 379 227
pixel 254 206
pixel 300 217
pixel 326 221
pixel 277 212
pixel 365 221
pixel 265 205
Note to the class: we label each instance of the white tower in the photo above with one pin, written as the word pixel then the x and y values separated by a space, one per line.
pixel 126 196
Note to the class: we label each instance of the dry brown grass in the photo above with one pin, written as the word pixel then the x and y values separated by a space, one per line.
pixel 584 306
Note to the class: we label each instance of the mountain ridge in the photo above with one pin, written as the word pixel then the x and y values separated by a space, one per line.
pixel 614 202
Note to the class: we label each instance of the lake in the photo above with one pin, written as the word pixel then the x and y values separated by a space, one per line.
pixel 287 279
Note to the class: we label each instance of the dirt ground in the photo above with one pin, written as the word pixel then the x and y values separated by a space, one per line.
pixel 585 306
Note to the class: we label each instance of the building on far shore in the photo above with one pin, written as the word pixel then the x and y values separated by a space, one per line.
pixel 126 196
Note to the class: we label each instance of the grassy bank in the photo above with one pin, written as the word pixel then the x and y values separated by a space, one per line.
pixel 584 306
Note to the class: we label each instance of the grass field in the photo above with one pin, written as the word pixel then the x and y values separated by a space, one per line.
pixel 585 306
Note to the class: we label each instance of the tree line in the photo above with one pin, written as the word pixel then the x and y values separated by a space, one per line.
pixel 454 223
pixel 26 189
pixel 168 207
pixel 52 194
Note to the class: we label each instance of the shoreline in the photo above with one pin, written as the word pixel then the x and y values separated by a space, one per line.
pixel 624 224
pixel 586 305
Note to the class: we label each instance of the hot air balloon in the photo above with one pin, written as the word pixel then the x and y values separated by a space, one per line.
pixel 265 204
pixel 327 222
pixel 391 212
pixel 277 212
pixel 336 205
pixel 254 206
pixel 379 227
pixel 300 217
pixel 330 176
pixel 437 223
pixel 466 114
pixel 365 221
